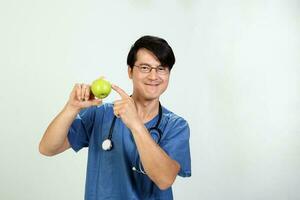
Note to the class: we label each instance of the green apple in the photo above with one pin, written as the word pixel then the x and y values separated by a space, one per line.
pixel 101 88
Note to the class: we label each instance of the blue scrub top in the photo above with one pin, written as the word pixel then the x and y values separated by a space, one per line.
pixel 109 173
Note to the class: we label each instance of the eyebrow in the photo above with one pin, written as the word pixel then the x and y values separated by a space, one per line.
pixel 150 65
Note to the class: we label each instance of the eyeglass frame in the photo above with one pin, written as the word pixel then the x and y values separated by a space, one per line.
pixel 167 70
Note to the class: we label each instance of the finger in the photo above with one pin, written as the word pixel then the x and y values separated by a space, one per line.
pixel 74 92
pixel 117 102
pixel 117 114
pixel 118 111
pixel 120 106
pixel 121 92
pixel 78 92
pixel 83 90
pixel 87 93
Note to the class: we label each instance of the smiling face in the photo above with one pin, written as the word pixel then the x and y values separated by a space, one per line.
pixel 148 86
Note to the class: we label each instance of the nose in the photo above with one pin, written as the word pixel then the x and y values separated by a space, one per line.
pixel 153 74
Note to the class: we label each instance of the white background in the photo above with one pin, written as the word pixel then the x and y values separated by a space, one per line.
pixel 236 81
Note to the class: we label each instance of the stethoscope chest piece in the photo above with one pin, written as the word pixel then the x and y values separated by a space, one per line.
pixel 107 145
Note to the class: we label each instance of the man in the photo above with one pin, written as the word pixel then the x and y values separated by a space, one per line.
pixel 136 146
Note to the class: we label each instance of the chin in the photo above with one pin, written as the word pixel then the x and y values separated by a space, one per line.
pixel 150 97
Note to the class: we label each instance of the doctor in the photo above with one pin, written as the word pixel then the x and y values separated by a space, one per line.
pixel 150 144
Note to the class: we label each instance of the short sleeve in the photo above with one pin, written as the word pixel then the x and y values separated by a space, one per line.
pixel 81 128
pixel 176 144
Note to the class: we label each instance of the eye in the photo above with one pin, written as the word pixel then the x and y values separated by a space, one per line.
pixel 162 69
pixel 144 67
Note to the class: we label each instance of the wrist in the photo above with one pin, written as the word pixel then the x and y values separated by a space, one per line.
pixel 137 127
pixel 71 109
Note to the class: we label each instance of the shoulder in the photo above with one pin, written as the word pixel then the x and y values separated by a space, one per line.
pixel 174 128
pixel 172 119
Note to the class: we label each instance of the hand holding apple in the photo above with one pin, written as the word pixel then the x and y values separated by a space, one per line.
pixel 81 97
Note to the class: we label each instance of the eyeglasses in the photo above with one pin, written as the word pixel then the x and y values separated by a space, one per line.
pixel 145 68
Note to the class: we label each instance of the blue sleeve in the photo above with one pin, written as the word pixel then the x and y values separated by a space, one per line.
pixel 81 128
pixel 176 145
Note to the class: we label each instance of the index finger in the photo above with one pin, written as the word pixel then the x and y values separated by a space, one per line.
pixel 121 92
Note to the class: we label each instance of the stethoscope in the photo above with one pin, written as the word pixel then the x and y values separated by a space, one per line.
pixel 155 132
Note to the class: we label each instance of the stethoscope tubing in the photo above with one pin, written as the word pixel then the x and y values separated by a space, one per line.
pixel 107 143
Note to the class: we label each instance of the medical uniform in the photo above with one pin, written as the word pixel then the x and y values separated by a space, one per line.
pixel 110 174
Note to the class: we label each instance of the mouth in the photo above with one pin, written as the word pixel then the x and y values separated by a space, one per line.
pixel 152 84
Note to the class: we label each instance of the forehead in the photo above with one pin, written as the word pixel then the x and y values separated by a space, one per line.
pixel 146 56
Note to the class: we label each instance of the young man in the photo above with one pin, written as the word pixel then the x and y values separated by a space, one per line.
pixel 136 146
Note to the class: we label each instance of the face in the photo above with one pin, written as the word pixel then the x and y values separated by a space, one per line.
pixel 148 86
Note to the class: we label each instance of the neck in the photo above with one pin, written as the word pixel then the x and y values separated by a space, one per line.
pixel 147 109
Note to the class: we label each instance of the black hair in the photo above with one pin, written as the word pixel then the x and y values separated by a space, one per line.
pixel 158 46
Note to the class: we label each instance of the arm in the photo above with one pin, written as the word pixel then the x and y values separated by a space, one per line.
pixel 54 140
pixel 160 168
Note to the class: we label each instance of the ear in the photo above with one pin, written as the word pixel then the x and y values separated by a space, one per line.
pixel 130 71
